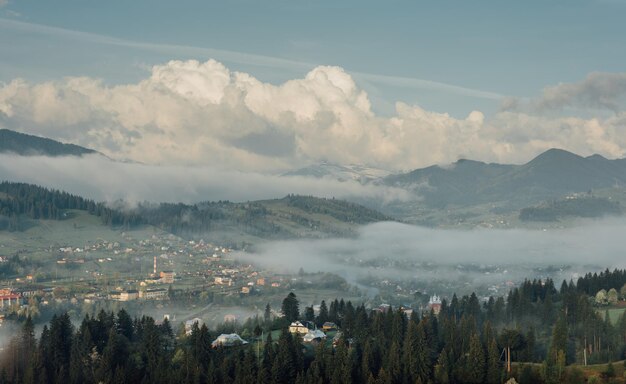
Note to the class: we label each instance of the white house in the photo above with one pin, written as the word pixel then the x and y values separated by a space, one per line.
pixel 228 340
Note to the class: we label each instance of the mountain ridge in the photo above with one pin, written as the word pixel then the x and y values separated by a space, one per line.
pixel 30 145
pixel 552 173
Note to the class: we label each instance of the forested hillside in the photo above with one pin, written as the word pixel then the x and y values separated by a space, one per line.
pixel 29 145
pixel 19 201
pixel 290 217
pixel 587 206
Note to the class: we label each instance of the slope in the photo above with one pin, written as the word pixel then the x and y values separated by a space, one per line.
pixel 29 145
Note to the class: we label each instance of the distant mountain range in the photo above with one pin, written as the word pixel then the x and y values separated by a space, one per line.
pixel 552 174
pixel 29 145
pixel 465 191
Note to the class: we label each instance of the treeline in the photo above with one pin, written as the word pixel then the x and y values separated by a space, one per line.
pixel 467 342
pixel 588 207
pixel 34 202
pixel 591 283
pixel 339 209
pixel 24 200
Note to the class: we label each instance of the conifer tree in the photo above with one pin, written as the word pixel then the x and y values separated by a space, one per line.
pixel 475 367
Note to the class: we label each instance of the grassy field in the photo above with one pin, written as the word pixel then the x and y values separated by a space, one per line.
pixel 614 313
pixel 591 373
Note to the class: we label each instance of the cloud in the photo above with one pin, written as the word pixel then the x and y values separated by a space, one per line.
pixel 202 113
pixel 3 3
pixel 599 90
pixel 101 179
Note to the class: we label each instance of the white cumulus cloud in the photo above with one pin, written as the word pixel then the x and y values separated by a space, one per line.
pixel 202 113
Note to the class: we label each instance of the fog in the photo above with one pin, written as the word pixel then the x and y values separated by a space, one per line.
pixel 101 179
pixel 399 251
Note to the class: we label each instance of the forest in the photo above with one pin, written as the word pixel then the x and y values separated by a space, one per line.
pixel 537 334
pixel 588 206
pixel 20 200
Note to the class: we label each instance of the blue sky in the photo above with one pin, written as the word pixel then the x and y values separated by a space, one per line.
pixel 509 48
pixel 450 57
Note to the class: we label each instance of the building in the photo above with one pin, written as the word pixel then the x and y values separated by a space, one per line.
pixel 8 298
pixel 189 325
pixel 228 340
pixel 329 326
pixel 245 290
pixel 167 277
pixel 299 328
pixel 434 304
pixel 314 335
pixel 131 294
pixel 221 280
pixel 384 308
pixel 260 281
pixel 30 291
pixel 153 294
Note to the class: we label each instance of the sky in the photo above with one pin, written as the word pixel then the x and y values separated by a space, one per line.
pixel 277 85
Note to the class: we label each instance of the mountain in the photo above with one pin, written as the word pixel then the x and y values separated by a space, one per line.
pixel 552 174
pixel 360 173
pixel 29 145
pixel 471 193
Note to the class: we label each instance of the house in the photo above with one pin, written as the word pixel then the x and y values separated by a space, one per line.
pixel 299 328
pixel 189 325
pixel 30 291
pixel 245 290
pixel 260 281
pixel 228 340
pixel 384 308
pixel 131 294
pixel 167 277
pixel 153 294
pixel 8 297
pixel 314 335
pixel 221 280
pixel 329 326
pixel 434 304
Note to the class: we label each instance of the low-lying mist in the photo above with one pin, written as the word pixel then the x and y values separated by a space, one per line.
pixel 101 179
pixel 480 256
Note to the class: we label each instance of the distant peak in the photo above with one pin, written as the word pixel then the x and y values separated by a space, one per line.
pixel 555 154
pixel 596 156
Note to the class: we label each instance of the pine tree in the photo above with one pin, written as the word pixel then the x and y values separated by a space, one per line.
pixel 290 307
pixel 559 338
pixel 494 370
pixel 475 366
pixel 442 369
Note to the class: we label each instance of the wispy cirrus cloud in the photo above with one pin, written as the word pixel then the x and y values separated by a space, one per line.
pixel 237 57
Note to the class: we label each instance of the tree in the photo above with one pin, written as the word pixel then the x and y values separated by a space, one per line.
pixel 322 317
pixel 442 369
pixel 309 314
pixel 267 315
pixel 290 307
pixel 475 368
pixel 511 340
pixel 494 371
pixel 559 339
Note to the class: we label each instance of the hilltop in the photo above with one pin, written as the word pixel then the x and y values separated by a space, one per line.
pixel 29 145
pixel 24 205
pixel 478 192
